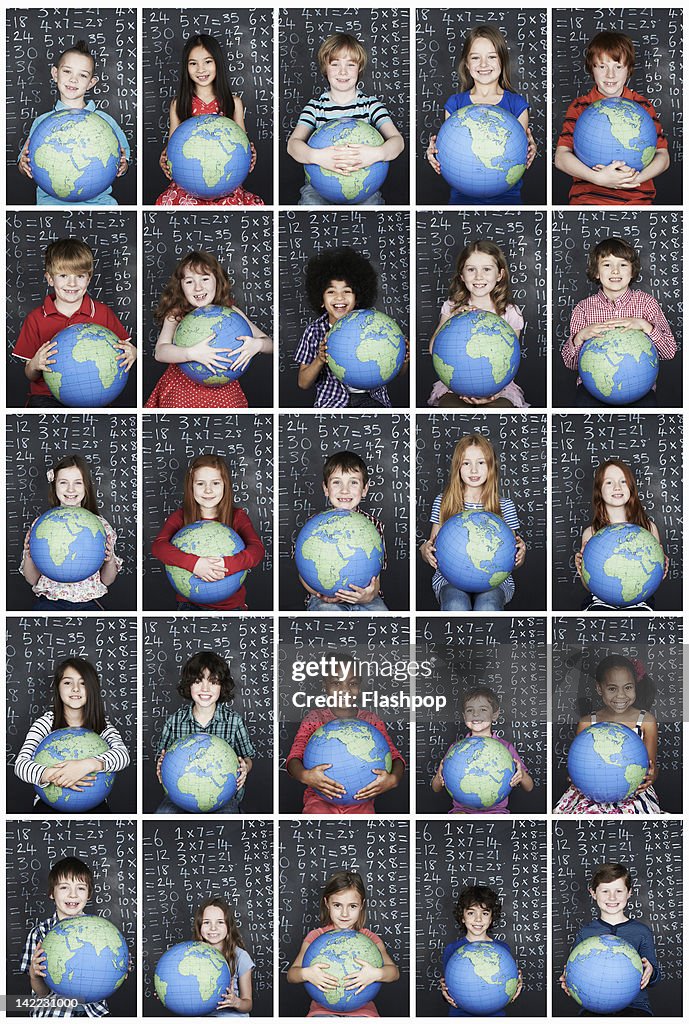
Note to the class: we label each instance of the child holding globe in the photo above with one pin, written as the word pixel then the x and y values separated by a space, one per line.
pixel 215 924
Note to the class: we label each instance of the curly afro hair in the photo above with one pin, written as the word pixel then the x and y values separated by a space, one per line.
pixel 341 265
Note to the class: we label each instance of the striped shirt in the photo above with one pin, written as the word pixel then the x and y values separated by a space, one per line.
pixel 330 392
pixel 35 936
pixel 322 109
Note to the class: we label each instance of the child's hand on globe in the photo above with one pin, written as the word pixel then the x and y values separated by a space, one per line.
pixel 361 156
pixel 317 974
pixel 427 551
pixel 242 774
pixel 516 778
pixel 366 975
pixel 253 157
pixel 563 985
pixel 520 986
pixel 24 162
pixel 42 360
pixel 109 549
pixel 521 552
pixel 129 354
pixel 322 355
pixel 165 165
pixel 446 995
pixel 531 149
pixel 159 764
pixel 249 347
pixel 229 1000
pixel 123 165
pixel 432 157
pixel 360 595
pixel 318 780
pixel 210 569
pixel 381 784
pixel 648 972
pixel 578 561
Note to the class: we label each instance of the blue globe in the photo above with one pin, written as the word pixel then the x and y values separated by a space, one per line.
pixel 475 551
pixel 346 189
pixel 74 155
pixel 476 354
pixel 206 539
pixel 84 370
pixel 226 325
pixel 477 771
pixel 191 978
pixel 353 748
pixel 607 762
pixel 340 950
pixel 623 564
pixel 199 772
pixel 67 544
pixel 615 129
pixel 73 744
pixel 209 156
pixel 86 958
pixel 337 548
pixel 481 977
pixel 619 366
pixel 482 150
pixel 604 974
pixel 366 349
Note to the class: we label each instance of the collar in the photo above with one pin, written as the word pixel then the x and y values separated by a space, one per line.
pixel 59 105
pixel 87 307
pixel 598 95
pixel 616 303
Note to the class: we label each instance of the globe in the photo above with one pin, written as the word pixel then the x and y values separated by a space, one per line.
pixel 615 129
pixel 604 974
pixel 619 366
pixel 67 544
pixel 73 744
pixel 84 370
pixel 226 325
pixel 477 772
pixel 191 978
pixel 481 977
pixel 206 539
pixel 623 564
pixel 340 950
pixel 482 150
pixel 366 349
pixel 337 548
pixel 86 958
pixel 347 189
pixel 74 155
pixel 353 748
pixel 199 772
pixel 476 354
pixel 475 551
pixel 209 156
pixel 607 762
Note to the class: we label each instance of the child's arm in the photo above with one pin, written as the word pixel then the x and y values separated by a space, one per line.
pixel 202 352
pixel 383 781
pixel 522 778
pixel 42 360
pixel 438 780
pixel 654 531
pixel 432 149
pixel 253 552
pixel 27 566
pixel 309 372
pixel 363 156
pixel 649 730
pixel 207 569
pixel 368 975
pixel 331 158
pixel 111 564
pixel 251 345
pixel 427 549
pixel 242 1004
pixel 317 974
pixel 579 556
pixel 37 972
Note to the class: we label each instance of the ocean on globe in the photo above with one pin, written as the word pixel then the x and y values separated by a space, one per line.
pixel 623 564
pixel 353 748
pixel 476 354
pixel 603 974
pixel 475 551
pixel 67 544
pixel 209 156
pixel 86 958
pixel 73 744
pixel 226 325
pixel 481 977
pixel 366 349
pixel 199 772
pixel 74 155
pixel 477 771
pixel 84 370
pixel 191 978
pixel 619 366
pixel 337 548
pixel 346 189
pixel 482 150
pixel 607 762
pixel 206 539
pixel 340 949
pixel 615 129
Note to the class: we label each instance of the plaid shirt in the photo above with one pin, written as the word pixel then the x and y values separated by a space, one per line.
pixel 35 936
pixel 330 392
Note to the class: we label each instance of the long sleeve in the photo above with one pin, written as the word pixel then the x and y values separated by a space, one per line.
pixel 25 768
pixel 253 552
pixel 570 355
pixel 166 552
pixel 661 335
pixel 117 757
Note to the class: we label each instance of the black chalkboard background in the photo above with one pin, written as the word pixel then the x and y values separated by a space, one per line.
pixel 310 853
pixel 653 852
pixel 112 237
pixel 384 33
pixel 657 237
pixel 187 863
pixel 35 40
pixel 246 38
pixel 109 849
pixel 383 238
pixel 519 444
pixel 242 244
pixel 440 238
pixel 509 857
pixel 657 37
pixel 440 35
pixel 34 445
pixel 652 446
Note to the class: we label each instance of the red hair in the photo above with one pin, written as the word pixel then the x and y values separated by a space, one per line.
pixel 634 509
pixel 192 511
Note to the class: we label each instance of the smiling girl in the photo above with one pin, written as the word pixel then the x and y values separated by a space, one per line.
pixel 215 924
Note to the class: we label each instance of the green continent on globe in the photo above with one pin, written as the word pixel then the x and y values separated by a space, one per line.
pixel 483 544
pixel 515 173
pixel 203 969
pixel 647 155
pixel 444 370
pixel 55 383
pixel 160 987
pixel 105 362
pixel 332 544
pixel 90 931
pixel 353 184
pixel 60 953
pixel 206 783
pixel 603 356
pixel 486 782
pixel 67 748
pixel 360 743
pixel 70 148
pixel 632 563
pixel 213 149
pixel 194 329
pixel 206 544
pixel 488 136
pixel 493 343
pixel 634 774
pixel 342 955
pixel 625 125
pixel 486 964
pixel 379 345
pixel 60 537
pixel 338 370
pixel 608 743
pixel 590 947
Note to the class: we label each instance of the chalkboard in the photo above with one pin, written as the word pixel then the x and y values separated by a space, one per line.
pixel 109 849
pixel 507 856
pixel 657 37
pixel 375 641
pixel 246 38
pixel 510 657
pixel 519 444
pixel 169 445
pixel 384 34
pixel 383 238
pixel 440 35
pixel 247 645
pixel 34 445
pixel 657 237
pixel 35 40
pixel 242 243
pixel 311 852
pixel 653 852
pixel 440 238
pixel 34 653
pixel 112 237
pixel 185 864
pixel 383 444
pixel 652 446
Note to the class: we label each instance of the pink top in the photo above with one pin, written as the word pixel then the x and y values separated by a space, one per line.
pixel 368 1009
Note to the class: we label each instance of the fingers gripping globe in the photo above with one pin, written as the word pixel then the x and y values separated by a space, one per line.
pixel 358 186
pixel 476 354
pixel 86 958
pixel 226 325
pixel 206 539
pixel 67 544
pixel 475 550
pixel 73 744
pixel 199 772
pixel 85 370
pixel 209 156
pixel 623 564
pixel 482 150
pixel 366 349
pixel 337 548
pixel 481 977
pixel 603 974
pixel 607 762
pixel 619 366
pixel 477 771
pixel 339 952
pixel 615 129
pixel 190 979
pixel 354 748
pixel 74 155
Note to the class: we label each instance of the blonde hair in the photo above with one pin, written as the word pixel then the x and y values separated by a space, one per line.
pixel 452 500
pixel 338 42
pixel 68 256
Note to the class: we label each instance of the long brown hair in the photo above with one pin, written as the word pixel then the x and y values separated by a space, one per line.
pixel 192 511
pixel 233 939
pixel 634 510
pixel 221 86
pixel 452 500
pixel 89 501
pixel 501 295
pixel 494 36
pixel 93 716
pixel 172 300
pixel 340 881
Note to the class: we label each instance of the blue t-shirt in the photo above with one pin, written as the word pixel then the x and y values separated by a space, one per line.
pixel 638 935
pixel 447 953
